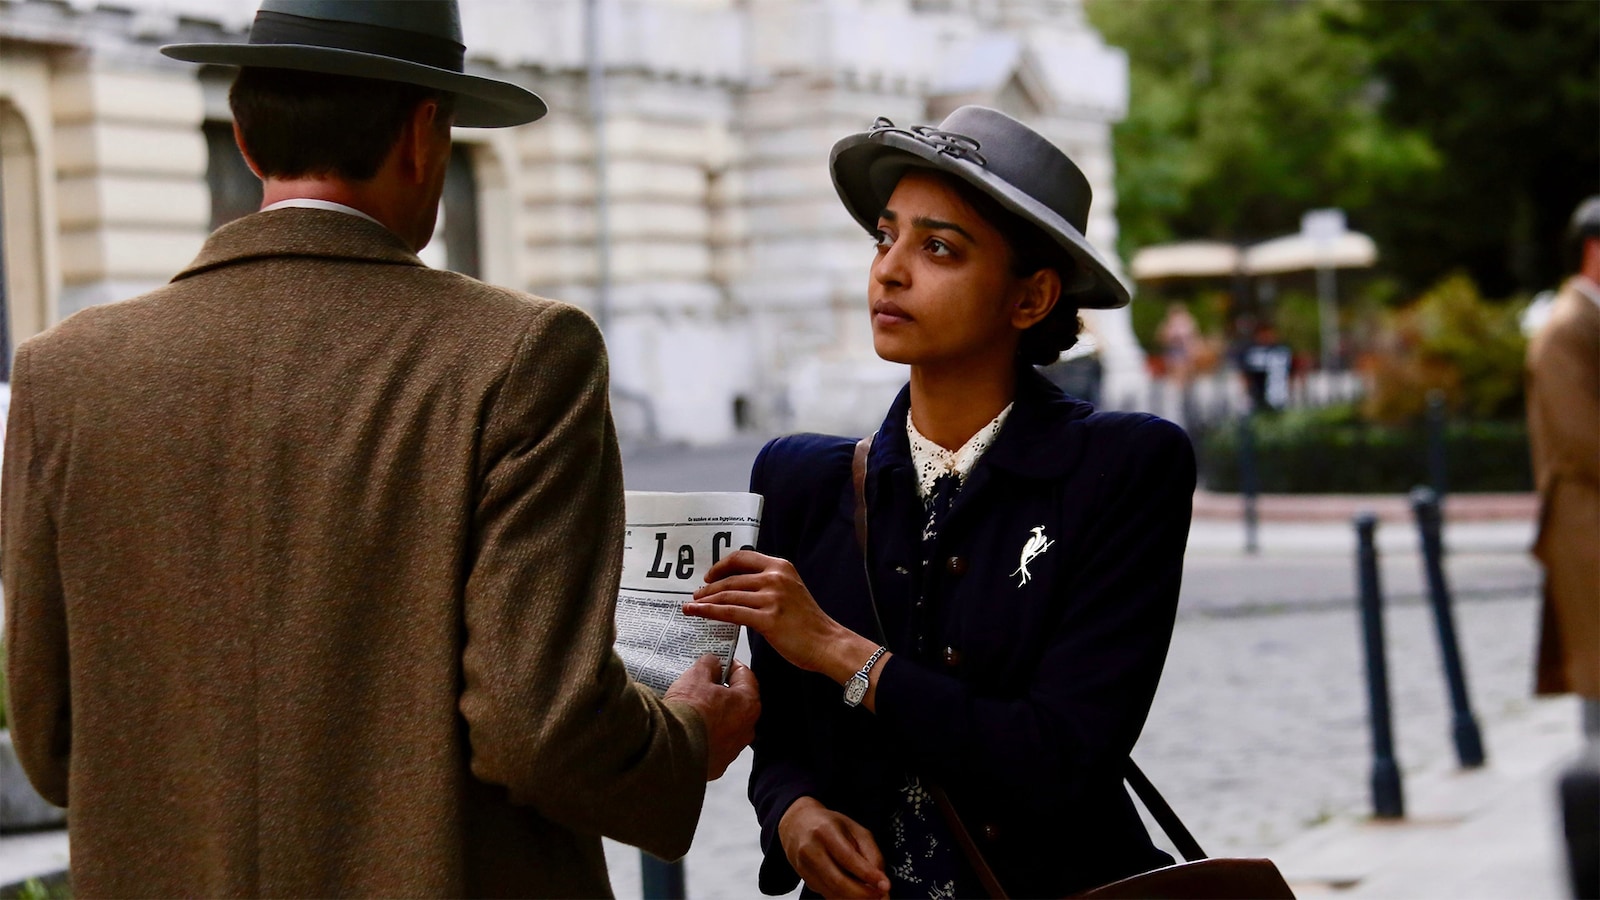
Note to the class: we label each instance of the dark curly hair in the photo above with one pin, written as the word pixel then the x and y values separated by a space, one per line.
pixel 1031 250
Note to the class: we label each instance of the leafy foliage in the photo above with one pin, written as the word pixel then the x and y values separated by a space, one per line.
pixel 1508 94
pixel 1459 134
pixel 1454 341
pixel 1335 450
pixel 1242 116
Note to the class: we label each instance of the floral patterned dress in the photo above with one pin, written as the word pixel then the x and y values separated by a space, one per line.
pixel 922 855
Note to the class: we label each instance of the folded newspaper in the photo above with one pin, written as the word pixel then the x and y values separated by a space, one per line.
pixel 673 539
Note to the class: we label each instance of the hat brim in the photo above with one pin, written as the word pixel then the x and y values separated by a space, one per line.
pixel 855 160
pixel 480 102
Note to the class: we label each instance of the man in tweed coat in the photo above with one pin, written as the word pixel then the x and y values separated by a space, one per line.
pixel 1564 429
pixel 310 555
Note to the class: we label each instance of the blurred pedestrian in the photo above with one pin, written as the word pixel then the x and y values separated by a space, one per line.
pixel 1564 430
pixel 311 555
pixel 1266 364
pixel 1179 335
pixel 1001 642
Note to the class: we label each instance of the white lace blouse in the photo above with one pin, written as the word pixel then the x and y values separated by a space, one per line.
pixel 932 460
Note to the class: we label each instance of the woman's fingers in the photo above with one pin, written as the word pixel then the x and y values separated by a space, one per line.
pixel 745 582
pixel 870 854
pixel 854 850
pixel 739 561
pixel 724 612
pixel 826 875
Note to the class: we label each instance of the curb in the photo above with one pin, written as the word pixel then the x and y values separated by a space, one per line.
pixel 1517 507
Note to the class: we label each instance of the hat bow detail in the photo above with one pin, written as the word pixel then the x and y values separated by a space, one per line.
pixel 951 144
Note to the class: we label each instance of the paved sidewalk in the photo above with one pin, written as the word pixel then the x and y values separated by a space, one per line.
pixel 1492 832
pixel 25 856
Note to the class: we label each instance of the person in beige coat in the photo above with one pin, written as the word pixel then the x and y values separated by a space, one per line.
pixel 310 556
pixel 1564 431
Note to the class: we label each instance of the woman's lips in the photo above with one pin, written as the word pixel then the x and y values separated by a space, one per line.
pixel 885 312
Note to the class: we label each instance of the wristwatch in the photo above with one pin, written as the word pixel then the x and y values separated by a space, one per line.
pixel 855 690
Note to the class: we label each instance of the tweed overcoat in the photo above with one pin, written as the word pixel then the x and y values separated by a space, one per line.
pixel 1564 433
pixel 1021 696
pixel 310 560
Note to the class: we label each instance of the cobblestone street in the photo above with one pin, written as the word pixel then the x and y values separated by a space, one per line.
pixel 1259 731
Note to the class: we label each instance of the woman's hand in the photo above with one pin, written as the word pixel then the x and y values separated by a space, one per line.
pixel 766 594
pixel 832 853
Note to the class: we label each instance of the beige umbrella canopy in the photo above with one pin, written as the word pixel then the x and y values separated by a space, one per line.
pixel 1299 253
pixel 1188 259
pixel 1290 253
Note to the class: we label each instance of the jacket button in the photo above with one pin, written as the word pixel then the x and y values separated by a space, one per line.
pixel 952 657
pixel 991 832
pixel 919 604
pixel 956 565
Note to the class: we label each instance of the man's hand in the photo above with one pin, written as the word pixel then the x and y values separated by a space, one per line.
pixel 831 851
pixel 729 711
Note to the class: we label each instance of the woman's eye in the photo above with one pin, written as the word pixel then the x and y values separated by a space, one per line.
pixel 882 239
pixel 938 247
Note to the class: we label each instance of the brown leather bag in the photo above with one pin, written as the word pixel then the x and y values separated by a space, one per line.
pixel 1197 878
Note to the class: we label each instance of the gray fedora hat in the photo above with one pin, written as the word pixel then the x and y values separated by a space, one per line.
pixel 1585 220
pixel 1000 156
pixel 410 41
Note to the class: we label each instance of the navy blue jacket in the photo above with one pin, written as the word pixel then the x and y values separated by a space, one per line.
pixel 1021 700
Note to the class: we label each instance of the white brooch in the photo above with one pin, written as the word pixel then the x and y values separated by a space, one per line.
pixel 1035 546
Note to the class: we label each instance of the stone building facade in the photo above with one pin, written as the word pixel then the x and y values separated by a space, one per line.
pixel 681 196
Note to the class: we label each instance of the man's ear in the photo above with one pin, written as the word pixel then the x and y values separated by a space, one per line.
pixel 419 140
pixel 238 138
pixel 1038 296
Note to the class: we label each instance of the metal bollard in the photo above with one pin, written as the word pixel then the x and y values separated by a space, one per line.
pixel 1436 454
pixel 1469 742
pixel 660 880
pixel 1249 481
pixel 1388 801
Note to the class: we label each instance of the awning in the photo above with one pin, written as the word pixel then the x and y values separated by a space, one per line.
pixel 1298 253
pixel 1190 259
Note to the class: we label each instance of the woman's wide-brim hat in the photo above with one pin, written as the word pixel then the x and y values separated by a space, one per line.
pixel 998 155
pixel 409 41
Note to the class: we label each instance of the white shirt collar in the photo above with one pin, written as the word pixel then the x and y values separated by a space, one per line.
pixel 309 203
pixel 932 460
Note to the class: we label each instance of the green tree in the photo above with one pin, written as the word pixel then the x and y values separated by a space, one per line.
pixel 1244 114
pixel 1509 95
pixel 1459 133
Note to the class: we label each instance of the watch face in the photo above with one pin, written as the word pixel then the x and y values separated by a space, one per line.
pixel 855 690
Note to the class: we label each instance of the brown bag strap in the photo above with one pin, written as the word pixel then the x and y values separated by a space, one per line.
pixel 1162 813
pixel 858 475
pixel 969 847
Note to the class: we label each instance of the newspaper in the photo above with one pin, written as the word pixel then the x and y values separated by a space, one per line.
pixel 672 541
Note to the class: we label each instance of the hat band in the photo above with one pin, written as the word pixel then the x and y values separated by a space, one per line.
pixel 395 43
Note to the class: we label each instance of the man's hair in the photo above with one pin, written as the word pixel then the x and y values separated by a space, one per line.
pixel 1031 250
pixel 297 124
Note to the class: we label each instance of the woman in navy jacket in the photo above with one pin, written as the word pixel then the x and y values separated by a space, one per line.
pixel 1024 553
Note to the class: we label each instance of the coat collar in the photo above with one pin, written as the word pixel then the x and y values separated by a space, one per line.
pixel 1032 443
pixel 296 231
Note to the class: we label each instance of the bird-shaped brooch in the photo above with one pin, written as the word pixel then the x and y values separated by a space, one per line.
pixel 1036 545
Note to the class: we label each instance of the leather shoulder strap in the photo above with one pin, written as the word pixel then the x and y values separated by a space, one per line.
pixel 969 847
pixel 1162 813
pixel 858 476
